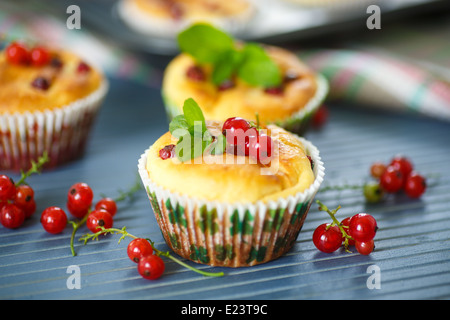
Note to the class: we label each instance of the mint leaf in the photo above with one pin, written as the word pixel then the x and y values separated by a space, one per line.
pixel 257 68
pixel 191 131
pixel 178 126
pixel 193 113
pixel 226 66
pixel 193 144
pixel 208 45
pixel 204 42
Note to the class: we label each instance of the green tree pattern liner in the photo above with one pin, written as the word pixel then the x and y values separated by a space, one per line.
pixel 238 240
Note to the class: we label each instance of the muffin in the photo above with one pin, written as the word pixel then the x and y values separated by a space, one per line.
pixel 49 99
pixel 288 99
pixel 223 209
pixel 167 18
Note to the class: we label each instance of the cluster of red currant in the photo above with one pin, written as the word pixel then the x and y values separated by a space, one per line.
pixel 79 202
pixel 150 266
pixel 18 54
pixel 16 202
pixel 244 139
pixel 358 230
pixel 394 177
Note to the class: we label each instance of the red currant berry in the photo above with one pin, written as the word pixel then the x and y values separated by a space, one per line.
pixel 17 53
pixel 346 223
pixel 151 267
pixel 167 152
pixel 25 199
pixel 195 73
pixel 99 218
pixel 226 85
pixel 41 83
pixel 365 248
pixel 392 180
pixel 243 141
pixel 24 194
pixel 56 62
pixel 83 67
pixel 415 185
pixel 54 220
pixel 39 56
pixel 403 164
pixel 320 117
pixel 79 199
pixel 261 148
pixel 107 204
pixel 7 188
pixel 363 227
pixel 139 248
pixel 327 238
pixel 276 91
pixel 12 216
pixel 377 169
pixel 233 128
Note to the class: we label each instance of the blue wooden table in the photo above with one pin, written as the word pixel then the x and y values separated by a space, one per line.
pixel 411 259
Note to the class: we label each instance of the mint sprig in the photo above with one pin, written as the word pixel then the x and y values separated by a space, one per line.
pixel 211 46
pixel 193 135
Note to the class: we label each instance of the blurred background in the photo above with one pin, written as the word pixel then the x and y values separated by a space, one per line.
pixel 331 36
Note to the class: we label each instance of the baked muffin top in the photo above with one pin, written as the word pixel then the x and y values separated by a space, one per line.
pixel 53 80
pixel 191 9
pixel 184 77
pixel 236 178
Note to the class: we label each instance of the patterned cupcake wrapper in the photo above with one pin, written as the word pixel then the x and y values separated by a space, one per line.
pixel 297 123
pixel 62 133
pixel 230 235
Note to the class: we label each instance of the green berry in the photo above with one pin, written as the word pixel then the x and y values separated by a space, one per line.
pixel 373 192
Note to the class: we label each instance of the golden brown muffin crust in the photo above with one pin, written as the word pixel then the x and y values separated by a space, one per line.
pixel 243 100
pixel 238 181
pixel 66 84
pixel 191 8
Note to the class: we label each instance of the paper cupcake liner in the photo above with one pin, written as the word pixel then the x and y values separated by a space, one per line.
pixel 144 23
pixel 227 234
pixel 297 123
pixel 62 133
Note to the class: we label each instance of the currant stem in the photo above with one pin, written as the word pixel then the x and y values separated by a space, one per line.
pixel 128 194
pixel 166 254
pixel 35 168
pixel 76 226
pixel 343 187
pixel 336 222
pixel 123 196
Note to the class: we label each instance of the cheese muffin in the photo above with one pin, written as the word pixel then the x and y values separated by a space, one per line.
pixel 166 18
pixel 230 212
pixel 290 104
pixel 48 102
